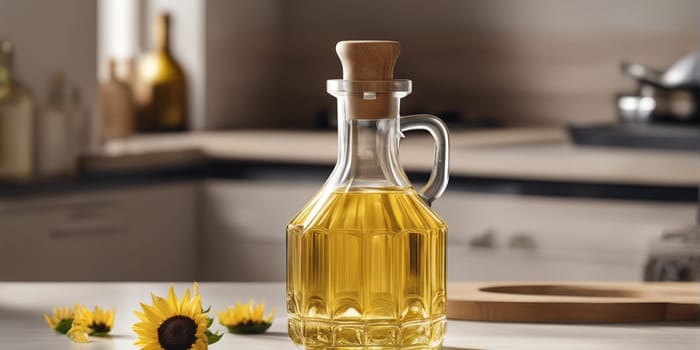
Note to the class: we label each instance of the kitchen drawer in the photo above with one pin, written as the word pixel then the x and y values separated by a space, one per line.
pixel 465 264
pixel 506 237
pixel 141 233
pixel 532 238
pixel 243 227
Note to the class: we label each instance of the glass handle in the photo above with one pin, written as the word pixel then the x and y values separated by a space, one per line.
pixel 438 130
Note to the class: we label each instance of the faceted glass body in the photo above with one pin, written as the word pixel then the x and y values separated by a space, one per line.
pixel 366 256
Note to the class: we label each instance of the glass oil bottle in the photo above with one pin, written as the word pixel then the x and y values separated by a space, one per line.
pixel 366 256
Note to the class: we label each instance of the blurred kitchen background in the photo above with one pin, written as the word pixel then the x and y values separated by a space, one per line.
pixel 173 140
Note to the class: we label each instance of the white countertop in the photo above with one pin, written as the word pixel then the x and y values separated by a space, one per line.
pixel 22 326
pixel 530 154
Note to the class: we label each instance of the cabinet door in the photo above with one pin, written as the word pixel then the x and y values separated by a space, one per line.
pixel 136 233
pixel 512 237
pixel 244 227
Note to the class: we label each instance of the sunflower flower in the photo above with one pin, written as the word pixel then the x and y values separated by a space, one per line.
pixel 97 323
pixel 62 318
pixel 79 333
pixel 173 324
pixel 246 319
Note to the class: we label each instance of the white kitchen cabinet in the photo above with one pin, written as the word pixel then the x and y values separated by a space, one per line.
pixel 500 237
pixel 132 233
pixel 243 227
pixel 532 238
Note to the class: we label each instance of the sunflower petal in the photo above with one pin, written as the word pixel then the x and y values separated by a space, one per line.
pixel 78 334
pixel 172 300
pixel 184 304
pixel 152 313
pixel 165 308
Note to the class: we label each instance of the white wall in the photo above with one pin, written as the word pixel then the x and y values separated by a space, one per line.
pixel 53 36
pixel 264 63
pixel 119 33
pixel 522 62
pixel 519 62
pixel 244 64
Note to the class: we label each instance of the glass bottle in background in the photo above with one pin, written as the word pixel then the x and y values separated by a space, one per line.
pixel 81 123
pixel 161 92
pixel 57 143
pixel 131 74
pixel 16 122
pixel 117 106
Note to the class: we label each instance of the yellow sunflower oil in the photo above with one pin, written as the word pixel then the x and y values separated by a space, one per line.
pixel 366 270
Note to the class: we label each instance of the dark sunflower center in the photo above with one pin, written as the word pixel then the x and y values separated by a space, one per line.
pixel 100 328
pixel 177 333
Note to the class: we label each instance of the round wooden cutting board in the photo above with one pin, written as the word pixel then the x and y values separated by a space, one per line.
pixel 588 302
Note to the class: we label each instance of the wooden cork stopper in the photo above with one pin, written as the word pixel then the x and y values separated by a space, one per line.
pixel 369 60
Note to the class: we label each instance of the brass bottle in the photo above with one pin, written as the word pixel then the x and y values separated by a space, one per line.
pixel 161 90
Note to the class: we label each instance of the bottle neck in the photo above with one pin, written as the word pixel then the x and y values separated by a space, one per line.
pixel 6 78
pixel 368 153
pixel 162 34
pixel 112 70
pixel 57 91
